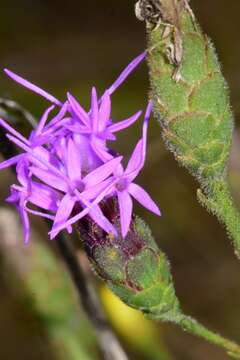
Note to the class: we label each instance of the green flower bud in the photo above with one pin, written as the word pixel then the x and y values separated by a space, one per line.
pixel 134 268
pixel 191 102
pixel 194 109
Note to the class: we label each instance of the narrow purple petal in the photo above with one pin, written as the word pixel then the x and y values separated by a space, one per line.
pixel 32 87
pixel 138 157
pixel 145 128
pixel 89 159
pixel 25 220
pixel 53 233
pixel 12 131
pixel 135 163
pixel 125 207
pixel 78 129
pixel 36 157
pixel 97 216
pixel 94 110
pixel 92 192
pixel 106 135
pixel 143 198
pixel 14 196
pixel 44 196
pixel 78 110
pixel 13 161
pixel 104 111
pixel 102 172
pixel 40 213
pixel 43 121
pixel 74 162
pixel 47 137
pixel 84 212
pixel 22 170
pixel 48 178
pixel 64 210
pixel 60 115
pixel 101 151
pixel 126 72
pixel 125 123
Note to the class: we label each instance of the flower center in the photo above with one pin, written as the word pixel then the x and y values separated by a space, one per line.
pixel 122 184
pixel 80 186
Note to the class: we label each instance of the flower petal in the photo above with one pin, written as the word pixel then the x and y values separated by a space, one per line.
pixel 143 198
pixel 73 162
pixel 78 110
pixel 48 178
pixel 94 110
pixel 136 162
pixel 126 72
pixel 44 196
pixel 24 219
pixel 40 213
pixel 84 212
pixel 32 87
pixel 92 192
pixel 43 121
pixel 125 123
pixel 145 127
pixel 64 210
pixel 104 111
pixel 38 158
pixel 125 207
pixel 78 129
pixel 101 151
pixel 97 216
pixel 13 161
pixel 22 171
pixel 102 172
pixel 59 116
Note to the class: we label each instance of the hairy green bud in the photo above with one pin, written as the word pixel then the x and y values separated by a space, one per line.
pixel 191 102
pixel 193 109
pixel 137 271
pixel 134 268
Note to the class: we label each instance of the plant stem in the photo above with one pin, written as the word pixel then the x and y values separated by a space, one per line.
pixel 11 111
pixel 107 340
pixel 193 327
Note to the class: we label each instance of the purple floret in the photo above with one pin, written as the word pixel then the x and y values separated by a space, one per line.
pixel 66 168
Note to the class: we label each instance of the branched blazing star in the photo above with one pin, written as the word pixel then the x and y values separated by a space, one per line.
pixel 66 168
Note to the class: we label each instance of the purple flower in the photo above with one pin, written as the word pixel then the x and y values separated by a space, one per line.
pixel 66 167
pixel 121 184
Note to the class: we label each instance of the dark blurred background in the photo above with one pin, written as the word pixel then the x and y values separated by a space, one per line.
pixel 72 45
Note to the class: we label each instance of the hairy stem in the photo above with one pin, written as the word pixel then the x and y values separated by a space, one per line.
pixel 193 327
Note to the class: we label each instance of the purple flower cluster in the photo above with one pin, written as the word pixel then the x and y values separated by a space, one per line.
pixel 66 168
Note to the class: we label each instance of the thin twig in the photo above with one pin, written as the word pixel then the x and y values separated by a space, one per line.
pixel 12 111
pixel 107 340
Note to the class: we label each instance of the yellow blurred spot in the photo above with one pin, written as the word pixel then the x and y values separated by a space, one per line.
pixel 128 322
pixel 112 254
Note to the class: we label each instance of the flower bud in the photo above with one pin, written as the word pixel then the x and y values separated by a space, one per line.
pixel 134 268
pixel 193 108
pixel 191 102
